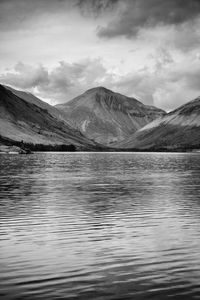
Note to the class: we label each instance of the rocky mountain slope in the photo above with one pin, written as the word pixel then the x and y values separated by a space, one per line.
pixel 179 129
pixel 25 121
pixel 107 117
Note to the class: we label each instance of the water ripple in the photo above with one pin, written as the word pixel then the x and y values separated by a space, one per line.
pixel 100 226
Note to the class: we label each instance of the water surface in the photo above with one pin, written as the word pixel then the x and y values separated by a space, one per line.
pixel 100 226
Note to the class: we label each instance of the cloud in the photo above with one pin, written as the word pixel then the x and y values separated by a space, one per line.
pixel 69 80
pixel 185 37
pixel 134 15
pixel 129 18
pixel 62 83
pixel 25 76
pixel 167 84
pixel 16 14
pixel 96 7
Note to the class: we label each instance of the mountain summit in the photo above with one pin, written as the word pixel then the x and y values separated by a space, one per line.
pixel 106 116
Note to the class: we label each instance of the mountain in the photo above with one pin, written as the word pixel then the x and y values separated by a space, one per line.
pixel 25 121
pixel 179 129
pixel 28 97
pixel 106 117
pixel 103 116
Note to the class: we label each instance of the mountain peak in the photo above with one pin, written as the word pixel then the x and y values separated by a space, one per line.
pixel 99 89
pixel 106 116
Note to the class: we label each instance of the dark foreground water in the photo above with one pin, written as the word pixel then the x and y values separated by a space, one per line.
pixel 100 226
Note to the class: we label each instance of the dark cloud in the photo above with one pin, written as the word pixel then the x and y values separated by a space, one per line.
pixel 136 14
pixel 96 7
pixel 129 15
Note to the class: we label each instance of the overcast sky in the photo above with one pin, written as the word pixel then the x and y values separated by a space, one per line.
pixel 57 49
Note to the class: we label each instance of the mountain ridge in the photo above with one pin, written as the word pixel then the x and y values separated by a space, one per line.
pixel 179 128
pixel 31 98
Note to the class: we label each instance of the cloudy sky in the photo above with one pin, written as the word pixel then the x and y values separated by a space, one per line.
pixel 57 49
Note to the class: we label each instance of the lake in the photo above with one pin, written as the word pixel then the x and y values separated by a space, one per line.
pixel 100 226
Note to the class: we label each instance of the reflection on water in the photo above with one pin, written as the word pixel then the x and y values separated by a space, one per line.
pixel 100 226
